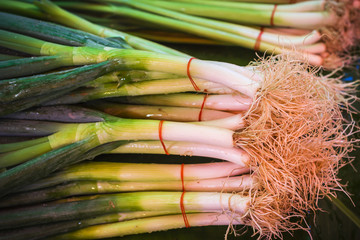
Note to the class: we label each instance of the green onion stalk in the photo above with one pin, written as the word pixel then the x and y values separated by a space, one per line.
pixel 329 31
pixel 72 113
pixel 158 202
pixel 222 102
pixel 136 172
pixel 179 114
pixel 164 86
pixel 160 223
pixel 120 110
pixel 185 149
pixel 126 177
pixel 42 231
pixel 59 113
pixel 287 15
pixel 121 202
pixel 231 184
pixel 296 6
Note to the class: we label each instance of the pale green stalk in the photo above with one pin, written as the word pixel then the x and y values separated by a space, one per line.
pixel 307 20
pixel 179 114
pixel 48 230
pixel 307 6
pixel 152 224
pixel 224 102
pixel 138 172
pixel 128 129
pixel 80 188
pixel 234 155
pixel 150 87
pixel 236 204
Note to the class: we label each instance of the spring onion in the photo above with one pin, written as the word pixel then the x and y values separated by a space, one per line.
pixel 80 181
pixel 224 102
pixel 331 33
pixel 291 140
pixel 151 224
pixel 137 172
pixel 134 201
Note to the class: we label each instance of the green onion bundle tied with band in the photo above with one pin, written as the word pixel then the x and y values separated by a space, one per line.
pixel 323 31
pixel 287 146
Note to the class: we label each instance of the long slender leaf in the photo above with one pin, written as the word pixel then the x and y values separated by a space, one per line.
pixel 15 127
pixel 28 66
pixel 45 164
pixel 60 113
pixel 22 93
pixel 55 33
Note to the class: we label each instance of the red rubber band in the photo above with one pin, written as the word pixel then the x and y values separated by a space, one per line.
pixel 202 106
pixel 258 39
pixel 161 139
pixel 182 207
pixel 189 75
pixel 182 177
pixel 272 15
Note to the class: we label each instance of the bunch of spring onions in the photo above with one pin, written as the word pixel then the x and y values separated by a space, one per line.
pixel 275 129
pixel 324 31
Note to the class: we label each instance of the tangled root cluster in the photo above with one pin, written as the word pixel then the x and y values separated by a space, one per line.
pixel 342 37
pixel 297 141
